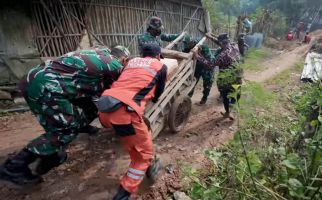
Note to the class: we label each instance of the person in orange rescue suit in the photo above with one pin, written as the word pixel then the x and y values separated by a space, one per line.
pixel 122 107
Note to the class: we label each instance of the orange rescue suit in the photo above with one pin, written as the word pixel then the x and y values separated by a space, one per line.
pixel 142 80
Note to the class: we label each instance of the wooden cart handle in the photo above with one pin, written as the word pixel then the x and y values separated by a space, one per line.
pixel 174 42
pixel 195 49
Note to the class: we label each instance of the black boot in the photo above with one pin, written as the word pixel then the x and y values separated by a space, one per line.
pixel 91 130
pixel 190 94
pixel 203 101
pixel 49 162
pixel 122 194
pixel 15 170
pixel 153 170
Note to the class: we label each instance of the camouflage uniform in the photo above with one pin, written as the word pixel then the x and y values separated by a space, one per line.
pixel 229 72
pixel 201 70
pixel 146 38
pixel 155 25
pixel 57 90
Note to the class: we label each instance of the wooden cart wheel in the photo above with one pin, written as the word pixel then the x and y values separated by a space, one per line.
pixel 179 113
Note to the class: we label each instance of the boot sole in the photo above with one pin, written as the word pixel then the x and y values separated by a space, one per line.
pixel 153 176
pixel 22 188
pixel 10 184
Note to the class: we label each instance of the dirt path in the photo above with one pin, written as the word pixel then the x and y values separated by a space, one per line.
pixel 280 63
pixel 96 164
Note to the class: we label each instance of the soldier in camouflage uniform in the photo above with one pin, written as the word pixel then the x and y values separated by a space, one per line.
pixel 59 92
pixel 201 70
pixel 154 34
pixel 230 73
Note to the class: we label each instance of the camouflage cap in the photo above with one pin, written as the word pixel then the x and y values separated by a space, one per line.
pixel 155 23
pixel 119 51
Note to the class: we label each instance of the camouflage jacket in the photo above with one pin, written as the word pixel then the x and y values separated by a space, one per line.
pixel 148 38
pixel 204 52
pixel 78 74
pixel 223 58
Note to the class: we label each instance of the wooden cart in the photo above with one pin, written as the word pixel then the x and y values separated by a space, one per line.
pixel 174 105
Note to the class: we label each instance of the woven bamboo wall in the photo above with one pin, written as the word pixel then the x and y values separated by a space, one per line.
pixel 61 24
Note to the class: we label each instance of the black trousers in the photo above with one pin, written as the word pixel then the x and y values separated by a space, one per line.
pixel 227 100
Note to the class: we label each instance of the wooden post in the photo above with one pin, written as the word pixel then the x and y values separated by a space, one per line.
pixel 207 22
pixel 175 54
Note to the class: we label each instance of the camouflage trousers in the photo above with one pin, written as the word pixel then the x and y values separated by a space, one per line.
pixel 207 78
pixel 61 118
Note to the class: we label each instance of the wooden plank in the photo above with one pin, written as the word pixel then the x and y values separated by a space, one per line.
pixel 182 77
pixel 175 54
pixel 169 86
pixel 174 84
pixel 161 112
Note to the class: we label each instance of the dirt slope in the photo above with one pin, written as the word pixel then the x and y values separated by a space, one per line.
pixel 96 164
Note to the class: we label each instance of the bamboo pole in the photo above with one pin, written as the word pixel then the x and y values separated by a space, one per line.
pixel 48 22
pixel 58 40
pixel 174 42
pixel 69 25
pixel 47 41
pixel 89 32
pixel 55 21
pixel 39 31
pixel 34 28
pixel 85 22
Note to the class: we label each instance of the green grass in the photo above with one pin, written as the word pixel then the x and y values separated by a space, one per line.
pixel 268 157
pixel 282 78
pixel 253 59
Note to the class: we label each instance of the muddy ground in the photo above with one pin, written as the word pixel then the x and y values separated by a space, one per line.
pixel 96 163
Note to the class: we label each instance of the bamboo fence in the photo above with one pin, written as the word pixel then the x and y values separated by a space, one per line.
pixel 59 26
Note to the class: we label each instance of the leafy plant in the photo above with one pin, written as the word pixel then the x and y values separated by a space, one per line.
pixel 263 161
